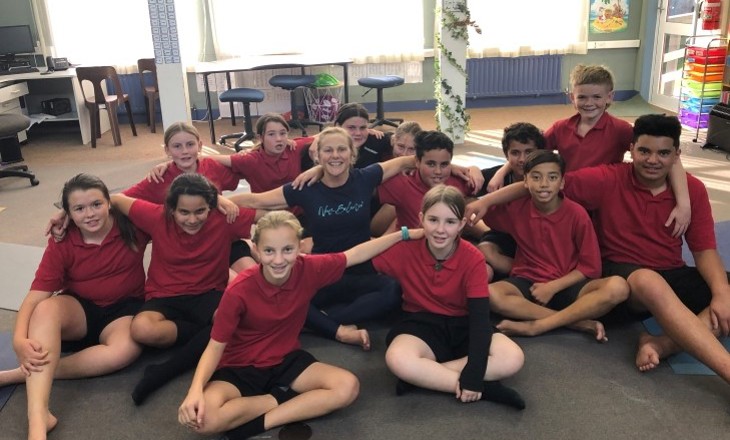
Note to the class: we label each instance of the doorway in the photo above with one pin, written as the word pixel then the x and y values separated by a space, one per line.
pixel 676 21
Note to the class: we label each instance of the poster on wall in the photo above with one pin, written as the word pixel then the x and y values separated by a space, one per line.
pixel 608 16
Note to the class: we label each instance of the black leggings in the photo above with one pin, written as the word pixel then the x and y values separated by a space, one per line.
pixel 354 298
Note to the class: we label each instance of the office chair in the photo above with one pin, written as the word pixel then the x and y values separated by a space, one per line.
pixel 96 75
pixel 10 125
pixel 379 83
pixel 151 92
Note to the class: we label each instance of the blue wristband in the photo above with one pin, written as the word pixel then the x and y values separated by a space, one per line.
pixel 404 233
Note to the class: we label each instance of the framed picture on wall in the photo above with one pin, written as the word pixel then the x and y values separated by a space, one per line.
pixel 608 16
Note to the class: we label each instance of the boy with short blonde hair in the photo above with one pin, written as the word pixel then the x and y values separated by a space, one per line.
pixel 594 137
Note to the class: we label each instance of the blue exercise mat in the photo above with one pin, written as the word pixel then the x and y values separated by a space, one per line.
pixel 7 362
pixel 722 237
pixel 683 363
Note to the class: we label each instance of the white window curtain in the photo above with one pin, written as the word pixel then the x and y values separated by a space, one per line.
pixel 111 32
pixel 528 27
pixel 107 33
pixel 377 31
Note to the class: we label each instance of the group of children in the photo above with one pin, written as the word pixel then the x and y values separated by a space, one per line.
pixel 564 249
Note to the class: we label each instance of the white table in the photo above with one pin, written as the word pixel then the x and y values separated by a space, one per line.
pixel 60 84
pixel 262 62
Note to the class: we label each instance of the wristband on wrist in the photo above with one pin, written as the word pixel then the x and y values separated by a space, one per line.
pixel 404 233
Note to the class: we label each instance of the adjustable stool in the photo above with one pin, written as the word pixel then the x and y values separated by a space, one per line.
pixel 380 83
pixel 291 83
pixel 246 97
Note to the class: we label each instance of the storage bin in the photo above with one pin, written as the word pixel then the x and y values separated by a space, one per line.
pixel 705 68
pixel 691 100
pixel 695 107
pixel 699 87
pixel 694 120
pixel 704 77
pixel 714 94
pixel 719 59
pixel 719 51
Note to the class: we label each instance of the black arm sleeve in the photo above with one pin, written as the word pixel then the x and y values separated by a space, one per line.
pixel 480 339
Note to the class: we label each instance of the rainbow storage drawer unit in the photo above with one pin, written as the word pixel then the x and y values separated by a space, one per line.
pixel 701 84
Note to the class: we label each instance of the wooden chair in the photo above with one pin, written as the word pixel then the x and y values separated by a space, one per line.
pixel 97 75
pixel 151 92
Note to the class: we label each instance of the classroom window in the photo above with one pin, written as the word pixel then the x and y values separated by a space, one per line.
pixel 528 27
pixel 376 31
pixel 107 33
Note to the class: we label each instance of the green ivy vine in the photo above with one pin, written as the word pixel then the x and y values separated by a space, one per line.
pixel 449 104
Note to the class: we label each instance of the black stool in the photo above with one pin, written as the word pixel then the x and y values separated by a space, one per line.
pixel 291 83
pixel 10 125
pixel 380 83
pixel 246 97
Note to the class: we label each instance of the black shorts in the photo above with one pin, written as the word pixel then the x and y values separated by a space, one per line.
pixel 446 336
pixel 560 300
pixel 239 249
pixel 197 309
pixel 253 381
pixel 97 318
pixel 506 244
pixel 686 282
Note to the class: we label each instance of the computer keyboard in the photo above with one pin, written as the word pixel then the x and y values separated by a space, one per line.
pixel 14 70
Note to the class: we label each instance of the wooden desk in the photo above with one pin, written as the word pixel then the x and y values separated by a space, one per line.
pixel 61 84
pixel 263 62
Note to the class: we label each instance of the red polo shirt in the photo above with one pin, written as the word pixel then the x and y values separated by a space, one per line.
pixel 548 246
pixel 260 322
pixel 101 273
pixel 630 220
pixel 406 193
pixel 184 264
pixel 444 291
pixel 264 172
pixel 605 143
pixel 221 176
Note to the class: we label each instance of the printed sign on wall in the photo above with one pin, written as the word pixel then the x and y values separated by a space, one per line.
pixel 164 31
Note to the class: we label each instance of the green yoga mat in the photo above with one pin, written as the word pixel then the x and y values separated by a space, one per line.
pixel 683 363
pixel 7 362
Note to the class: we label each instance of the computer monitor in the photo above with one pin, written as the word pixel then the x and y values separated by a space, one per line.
pixel 14 40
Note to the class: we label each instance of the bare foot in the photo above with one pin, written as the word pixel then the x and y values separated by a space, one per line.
pixel 51 422
pixel 11 377
pixel 520 328
pixel 593 327
pixel 649 352
pixel 350 334
pixel 38 429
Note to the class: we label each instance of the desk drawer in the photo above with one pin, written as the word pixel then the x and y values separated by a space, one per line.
pixel 13 91
pixel 10 106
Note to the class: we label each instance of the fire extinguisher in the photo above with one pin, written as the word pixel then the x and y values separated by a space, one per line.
pixel 710 14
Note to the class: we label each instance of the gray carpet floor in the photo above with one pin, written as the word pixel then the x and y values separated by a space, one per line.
pixel 575 388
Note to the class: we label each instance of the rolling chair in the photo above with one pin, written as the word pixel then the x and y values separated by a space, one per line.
pixel 151 92
pixel 245 96
pixel 10 125
pixel 379 83
pixel 96 75
pixel 291 83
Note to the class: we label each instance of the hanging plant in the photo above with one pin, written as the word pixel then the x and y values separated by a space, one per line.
pixel 450 105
